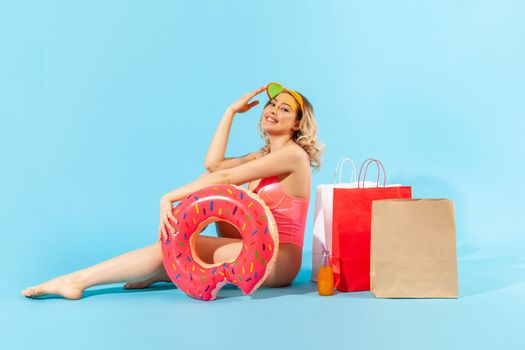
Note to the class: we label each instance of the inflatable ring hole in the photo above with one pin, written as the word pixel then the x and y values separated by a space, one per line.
pixel 193 243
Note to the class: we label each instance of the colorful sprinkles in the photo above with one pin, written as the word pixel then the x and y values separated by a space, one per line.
pixel 234 205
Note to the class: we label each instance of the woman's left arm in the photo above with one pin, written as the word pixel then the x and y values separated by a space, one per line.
pixel 205 180
pixel 285 160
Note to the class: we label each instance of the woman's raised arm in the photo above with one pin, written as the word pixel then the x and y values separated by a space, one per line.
pixel 218 144
pixel 217 149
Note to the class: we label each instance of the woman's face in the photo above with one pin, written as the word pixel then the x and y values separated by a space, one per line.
pixel 279 116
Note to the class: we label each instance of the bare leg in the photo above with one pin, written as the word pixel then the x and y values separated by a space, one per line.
pixel 161 276
pixel 210 249
pixel 204 246
pixel 136 265
pixel 214 250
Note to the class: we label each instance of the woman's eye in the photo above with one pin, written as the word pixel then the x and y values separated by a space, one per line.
pixel 283 108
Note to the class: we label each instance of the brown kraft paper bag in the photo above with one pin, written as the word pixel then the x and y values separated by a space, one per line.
pixel 413 249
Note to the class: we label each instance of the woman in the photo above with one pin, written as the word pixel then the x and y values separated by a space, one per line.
pixel 279 172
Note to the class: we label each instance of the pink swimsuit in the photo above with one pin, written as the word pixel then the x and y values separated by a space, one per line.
pixel 288 211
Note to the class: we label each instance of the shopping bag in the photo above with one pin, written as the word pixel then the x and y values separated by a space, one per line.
pixel 323 212
pixel 323 215
pixel 413 249
pixel 351 221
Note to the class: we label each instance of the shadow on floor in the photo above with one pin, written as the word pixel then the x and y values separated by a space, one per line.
pixel 114 290
pixel 301 285
pixel 476 276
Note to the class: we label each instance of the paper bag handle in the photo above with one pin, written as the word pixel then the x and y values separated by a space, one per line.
pixel 379 167
pixel 339 168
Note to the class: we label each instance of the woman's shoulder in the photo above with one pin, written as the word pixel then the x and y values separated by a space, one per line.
pixel 293 153
pixel 300 152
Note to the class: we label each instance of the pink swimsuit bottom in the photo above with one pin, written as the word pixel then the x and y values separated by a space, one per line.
pixel 288 211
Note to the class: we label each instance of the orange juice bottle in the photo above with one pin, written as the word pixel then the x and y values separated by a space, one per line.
pixel 325 278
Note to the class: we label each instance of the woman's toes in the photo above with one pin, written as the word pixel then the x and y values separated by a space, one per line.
pixel 61 285
pixel 34 292
pixel 29 292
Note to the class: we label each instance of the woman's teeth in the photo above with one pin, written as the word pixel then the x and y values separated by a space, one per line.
pixel 271 120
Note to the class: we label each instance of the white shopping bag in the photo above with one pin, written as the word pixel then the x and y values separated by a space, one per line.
pixel 323 212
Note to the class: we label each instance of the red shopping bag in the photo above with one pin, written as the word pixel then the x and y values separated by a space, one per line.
pixel 352 218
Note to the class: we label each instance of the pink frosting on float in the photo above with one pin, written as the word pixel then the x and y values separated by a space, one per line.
pixel 259 234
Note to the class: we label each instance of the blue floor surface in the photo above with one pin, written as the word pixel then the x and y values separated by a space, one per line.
pixel 488 315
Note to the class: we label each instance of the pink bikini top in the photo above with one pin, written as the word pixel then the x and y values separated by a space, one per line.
pixel 288 211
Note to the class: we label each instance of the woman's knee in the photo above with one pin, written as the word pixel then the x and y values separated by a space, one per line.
pixel 282 275
pixel 274 281
pixel 225 229
pixel 227 252
pixel 217 249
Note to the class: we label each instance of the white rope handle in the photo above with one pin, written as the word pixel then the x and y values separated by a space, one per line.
pixel 339 168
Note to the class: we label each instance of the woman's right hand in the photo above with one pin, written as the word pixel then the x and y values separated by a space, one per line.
pixel 166 208
pixel 242 105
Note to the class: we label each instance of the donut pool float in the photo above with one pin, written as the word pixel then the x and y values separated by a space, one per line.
pixel 260 242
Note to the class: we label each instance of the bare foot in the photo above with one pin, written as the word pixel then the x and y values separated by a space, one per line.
pixel 63 285
pixel 147 282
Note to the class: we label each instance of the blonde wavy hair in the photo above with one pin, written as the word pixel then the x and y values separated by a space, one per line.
pixel 306 136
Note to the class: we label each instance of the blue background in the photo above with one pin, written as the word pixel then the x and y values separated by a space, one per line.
pixel 105 106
